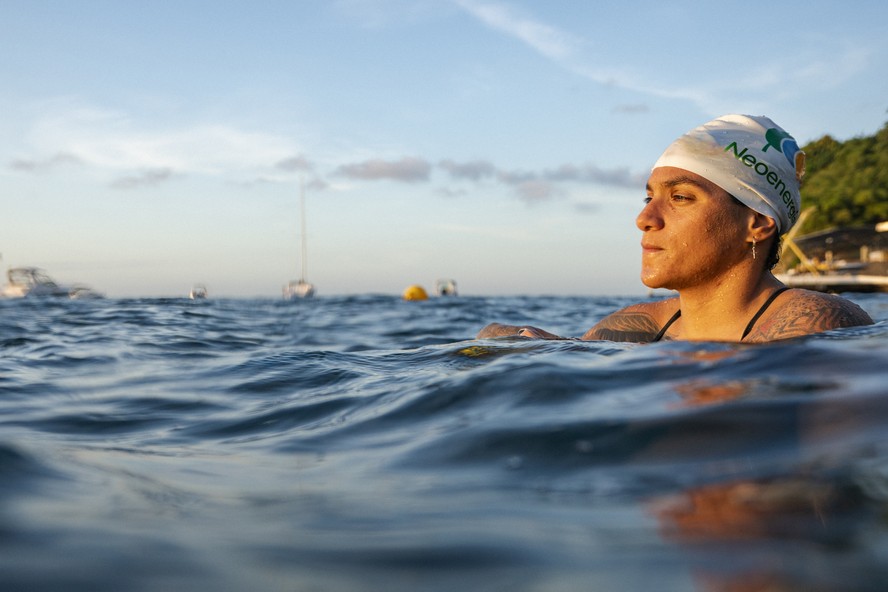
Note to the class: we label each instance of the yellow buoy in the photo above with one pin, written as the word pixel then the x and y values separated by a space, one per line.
pixel 415 292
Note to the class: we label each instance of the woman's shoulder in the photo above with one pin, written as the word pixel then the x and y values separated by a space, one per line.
pixel 803 312
pixel 666 307
pixel 640 322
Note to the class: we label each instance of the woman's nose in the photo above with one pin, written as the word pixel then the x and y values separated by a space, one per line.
pixel 649 218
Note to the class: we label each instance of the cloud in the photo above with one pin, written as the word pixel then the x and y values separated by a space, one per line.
pixel 145 179
pixel 564 49
pixel 60 158
pixel 590 173
pixel 295 164
pixel 134 156
pixel 586 173
pixel 530 186
pixel 515 177
pixel 115 141
pixel 474 170
pixel 534 186
pixel 543 38
pixel 317 184
pixel 527 185
pixel 811 67
pixel 535 190
pixel 408 170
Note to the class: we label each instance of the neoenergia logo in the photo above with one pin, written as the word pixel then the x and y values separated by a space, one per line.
pixel 782 141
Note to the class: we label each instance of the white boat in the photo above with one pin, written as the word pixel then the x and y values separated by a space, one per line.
pixel 446 287
pixel 198 292
pixel 298 289
pixel 847 259
pixel 301 288
pixel 32 282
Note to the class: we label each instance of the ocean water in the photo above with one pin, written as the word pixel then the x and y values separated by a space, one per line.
pixel 367 443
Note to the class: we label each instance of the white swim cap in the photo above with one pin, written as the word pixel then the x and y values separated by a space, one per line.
pixel 751 158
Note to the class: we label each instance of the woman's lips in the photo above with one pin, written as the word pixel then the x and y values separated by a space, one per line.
pixel 649 248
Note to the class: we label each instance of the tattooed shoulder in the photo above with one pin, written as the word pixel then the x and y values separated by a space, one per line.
pixel 625 325
pixel 809 312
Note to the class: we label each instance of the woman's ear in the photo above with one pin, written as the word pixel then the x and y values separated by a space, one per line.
pixel 761 227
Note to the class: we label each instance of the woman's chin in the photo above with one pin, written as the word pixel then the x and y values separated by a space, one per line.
pixel 652 282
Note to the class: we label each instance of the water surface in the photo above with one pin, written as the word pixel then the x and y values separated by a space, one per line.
pixel 367 443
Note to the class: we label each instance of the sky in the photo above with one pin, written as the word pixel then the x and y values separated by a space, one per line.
pixel 146 147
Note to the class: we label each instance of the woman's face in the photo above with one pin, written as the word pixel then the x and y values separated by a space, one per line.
pixel 694 231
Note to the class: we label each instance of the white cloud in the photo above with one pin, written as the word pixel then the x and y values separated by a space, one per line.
pixel 117 142
pixel 44 164
pixel 813 66
pixel 545 39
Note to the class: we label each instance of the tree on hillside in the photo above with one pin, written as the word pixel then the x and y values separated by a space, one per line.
pixel 847 182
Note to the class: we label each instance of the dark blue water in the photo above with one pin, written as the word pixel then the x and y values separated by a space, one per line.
pixel 366 443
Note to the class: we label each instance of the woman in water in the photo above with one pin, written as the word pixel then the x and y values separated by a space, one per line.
pixel 718 200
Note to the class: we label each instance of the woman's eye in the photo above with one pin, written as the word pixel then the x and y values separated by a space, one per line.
pixel 647 200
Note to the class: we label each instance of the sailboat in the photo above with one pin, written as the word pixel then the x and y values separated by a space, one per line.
pixel 301 288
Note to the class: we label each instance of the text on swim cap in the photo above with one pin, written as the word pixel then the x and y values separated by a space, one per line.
pixel 762 169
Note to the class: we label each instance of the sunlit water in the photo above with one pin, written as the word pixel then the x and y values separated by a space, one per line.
pixel 366 443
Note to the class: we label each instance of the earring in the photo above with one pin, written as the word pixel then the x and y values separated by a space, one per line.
pixel 753 248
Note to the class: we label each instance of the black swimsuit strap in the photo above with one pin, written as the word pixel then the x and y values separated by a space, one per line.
pixel 749 327
pixel 666 326
pixel 761 311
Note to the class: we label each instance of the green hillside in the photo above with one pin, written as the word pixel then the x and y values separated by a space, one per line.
pixel 847 182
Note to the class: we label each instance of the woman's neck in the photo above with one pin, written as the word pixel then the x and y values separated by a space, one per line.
pixel 721 311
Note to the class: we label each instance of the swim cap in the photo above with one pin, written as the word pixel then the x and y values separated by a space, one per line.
pixel 752 158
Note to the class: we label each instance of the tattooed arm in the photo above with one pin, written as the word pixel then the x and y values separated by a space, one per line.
pixel 498 330
pixel 808 312
pixel 638 323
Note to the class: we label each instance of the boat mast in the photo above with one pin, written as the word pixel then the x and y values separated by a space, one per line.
pixel 304 241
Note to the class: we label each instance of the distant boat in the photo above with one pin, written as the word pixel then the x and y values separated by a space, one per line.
pixel 446 287
pixel 198 292
pixel 849 259
pixel 33 282
pixel 298 289
pixel 301 288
